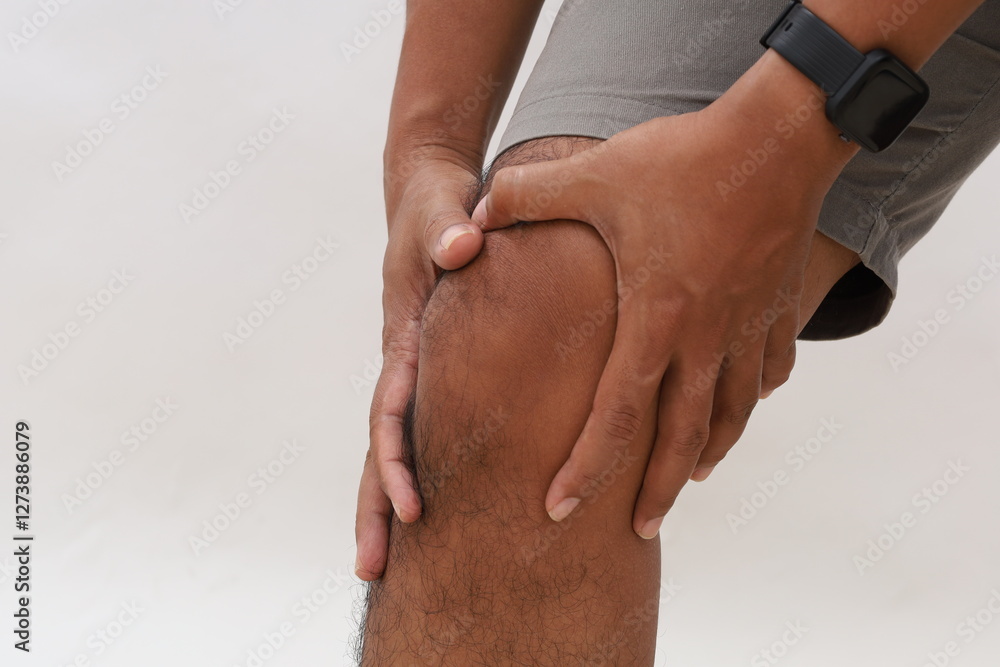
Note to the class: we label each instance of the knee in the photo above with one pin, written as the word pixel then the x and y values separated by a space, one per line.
pixel 511 349
pixel 541 293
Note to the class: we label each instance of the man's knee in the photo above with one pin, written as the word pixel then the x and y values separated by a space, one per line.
pixel 512 347
pixel 537 290
pixel 523 330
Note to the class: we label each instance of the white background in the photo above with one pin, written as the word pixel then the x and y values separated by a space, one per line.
pixel 162 338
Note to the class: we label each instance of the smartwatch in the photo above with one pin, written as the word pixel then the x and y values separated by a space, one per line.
pixel 871 97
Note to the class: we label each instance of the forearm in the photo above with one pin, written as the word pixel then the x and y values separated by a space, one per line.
pixel 774 102
pixel 458 63
pixel 912 35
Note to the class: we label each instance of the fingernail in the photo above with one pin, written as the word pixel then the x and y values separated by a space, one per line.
pixel 650 528
pixel 701 474
pixel 449 235
pixel 563 509
pixel 479 215
pixel 767 393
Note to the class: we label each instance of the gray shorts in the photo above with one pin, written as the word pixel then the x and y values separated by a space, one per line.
pixel 610 65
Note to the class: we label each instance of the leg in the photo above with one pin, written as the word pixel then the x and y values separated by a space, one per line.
pixel 484 577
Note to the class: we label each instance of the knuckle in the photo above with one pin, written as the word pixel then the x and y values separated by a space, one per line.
pixel 505 183
pixel 780 351
pixel 738 414
pixel 777 371
pixel 688 441
pixel 621 422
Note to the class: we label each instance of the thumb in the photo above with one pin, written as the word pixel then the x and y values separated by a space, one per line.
pixel 452 240
pixel 542 191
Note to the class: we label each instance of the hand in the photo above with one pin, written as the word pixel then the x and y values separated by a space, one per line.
pixel 428 226
pixel 709 276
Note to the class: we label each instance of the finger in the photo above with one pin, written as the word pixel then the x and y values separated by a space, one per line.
pixel 624 395
pixel 371 524
pixel 736 394
pixel 451 238
pixel 552 190
pixel 392 392
pixel 779 352
pixel 682 430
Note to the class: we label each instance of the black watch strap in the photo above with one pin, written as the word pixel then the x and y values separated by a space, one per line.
pixel 816 49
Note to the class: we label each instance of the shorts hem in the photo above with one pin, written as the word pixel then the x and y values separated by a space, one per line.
pixel 578 115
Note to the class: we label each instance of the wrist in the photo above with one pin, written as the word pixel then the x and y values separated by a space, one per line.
pixel 406 158
pixel 775 99
pixel 433 180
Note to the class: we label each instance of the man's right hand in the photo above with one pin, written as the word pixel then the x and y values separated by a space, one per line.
pixel 428 228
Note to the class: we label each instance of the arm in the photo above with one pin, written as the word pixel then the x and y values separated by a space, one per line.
pixel 457 66
pixel 773 85
pixel 716 327
pixel 458 63
pixel 871 24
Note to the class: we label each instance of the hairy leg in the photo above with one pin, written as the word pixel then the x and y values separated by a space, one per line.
pixel 485 577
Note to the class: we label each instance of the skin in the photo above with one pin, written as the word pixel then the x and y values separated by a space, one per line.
pixel 484 576
pixel 430 161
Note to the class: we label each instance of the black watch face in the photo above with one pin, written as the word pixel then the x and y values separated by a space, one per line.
pixel 880 105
